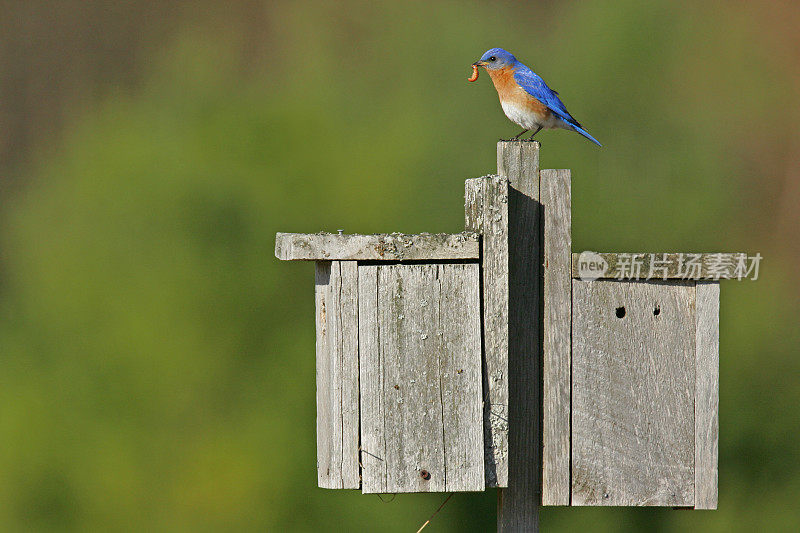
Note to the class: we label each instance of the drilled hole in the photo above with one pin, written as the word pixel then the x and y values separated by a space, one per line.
pixel 424 474
pixel 620 312
pixel 657 311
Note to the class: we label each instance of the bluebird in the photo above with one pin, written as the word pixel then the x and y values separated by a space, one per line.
pixel 525 97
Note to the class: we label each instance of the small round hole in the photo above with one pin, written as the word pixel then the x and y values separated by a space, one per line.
pixel 424 474
pixel 620 312
pixel 657 311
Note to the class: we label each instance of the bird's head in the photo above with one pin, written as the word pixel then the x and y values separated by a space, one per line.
pixel 495 58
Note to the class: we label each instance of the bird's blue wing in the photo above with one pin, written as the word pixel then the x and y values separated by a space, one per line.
pixel 536 87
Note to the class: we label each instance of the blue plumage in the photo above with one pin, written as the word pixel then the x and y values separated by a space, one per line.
pixel 535 86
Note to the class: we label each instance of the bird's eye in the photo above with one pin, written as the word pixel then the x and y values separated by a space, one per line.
pixel 492 58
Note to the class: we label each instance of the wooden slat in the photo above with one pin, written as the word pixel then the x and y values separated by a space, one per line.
pixel 351 471
pixel 695 266
pixel 459 348
pixel 486 209
pixel 557 306
pixel 412 416
pixel 427 395
pixel 373 444
pixel 633 391
pixel 337 375
pixel 518 505
pixel 707 396
pixel 381 247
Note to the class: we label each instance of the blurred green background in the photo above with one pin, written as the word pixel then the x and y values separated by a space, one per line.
pixel 157 361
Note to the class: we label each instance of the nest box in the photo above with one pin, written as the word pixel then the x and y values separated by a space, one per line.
pixel 494 358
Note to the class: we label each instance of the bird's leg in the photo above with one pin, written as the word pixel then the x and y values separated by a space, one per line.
pixel 534 133
pixel 518 135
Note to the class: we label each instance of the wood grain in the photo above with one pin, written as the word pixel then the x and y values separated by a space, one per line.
pixel 556 361
pixel 337 374
pixel 380 247
pixel 373 442
pixel 518 505
pixel 707 396
pixel 459 349
pixel 422 427
pixel 486 207
pixel 633 393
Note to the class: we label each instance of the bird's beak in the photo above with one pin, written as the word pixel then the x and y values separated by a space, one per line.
pixel 479 63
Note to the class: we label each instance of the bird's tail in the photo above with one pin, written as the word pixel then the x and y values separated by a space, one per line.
pixel 585 134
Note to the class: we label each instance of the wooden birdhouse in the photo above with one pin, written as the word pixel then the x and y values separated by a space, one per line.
pixel 497 358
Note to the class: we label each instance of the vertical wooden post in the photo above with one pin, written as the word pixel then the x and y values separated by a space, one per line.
pixel 486 207
pixel 554 188
pixel 518 504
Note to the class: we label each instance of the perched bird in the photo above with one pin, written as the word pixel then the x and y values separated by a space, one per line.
pixel 525 97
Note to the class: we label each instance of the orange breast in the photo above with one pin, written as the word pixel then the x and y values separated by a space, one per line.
pixel 510 92
pixel 503 79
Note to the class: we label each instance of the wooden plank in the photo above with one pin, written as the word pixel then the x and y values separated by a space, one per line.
pixel 325 402
pixel 556 361
pixel 380 247
pixel 518 505
pixel 351 471
pixel 695 266
pixel 707 396
pixel 486 208
pixel 373 440
pixel 337 375
pixel 412 415
pixel 633 391
pixel 460 374
pixel 429 386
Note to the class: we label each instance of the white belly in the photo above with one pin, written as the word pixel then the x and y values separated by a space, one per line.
pixel 527 118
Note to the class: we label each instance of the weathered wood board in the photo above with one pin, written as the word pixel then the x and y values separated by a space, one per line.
pixel 518 506
pixel 336 294
pixel 556 343
pixel 486 210
pixel 633 393
pixel 373 441
pixel 420 342
pixel 707 396
pixel 380 247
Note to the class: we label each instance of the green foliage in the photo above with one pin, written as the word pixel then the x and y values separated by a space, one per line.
pixel 157 364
